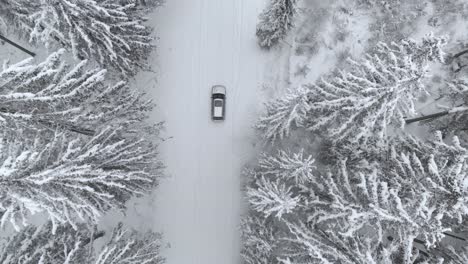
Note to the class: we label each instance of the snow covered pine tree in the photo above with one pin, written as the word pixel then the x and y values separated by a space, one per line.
pixel 378 91
pixel 275 22
pixel 271 192
pixel 73 179
pixel 50 96
pixel 35 245
pixel 259 240
pixel 368 208
pixel 110 32
pixel 72 146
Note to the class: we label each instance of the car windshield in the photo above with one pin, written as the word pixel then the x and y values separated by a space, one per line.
pixel 218 103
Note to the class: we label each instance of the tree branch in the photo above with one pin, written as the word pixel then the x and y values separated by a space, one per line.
pixel 454 236
pixel 426 117
pixel 456 55
pixel 32 54
pixel 94 237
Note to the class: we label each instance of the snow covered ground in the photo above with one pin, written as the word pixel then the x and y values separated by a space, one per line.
pixel 12 54
pixel 203 43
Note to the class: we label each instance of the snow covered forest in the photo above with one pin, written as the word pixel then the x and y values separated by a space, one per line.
pixel 75 142
pixel 345 137
pixel 365 156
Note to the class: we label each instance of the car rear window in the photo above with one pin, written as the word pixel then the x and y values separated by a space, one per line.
pixel 218 103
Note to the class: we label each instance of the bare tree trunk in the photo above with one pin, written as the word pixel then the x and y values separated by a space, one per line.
pixel 458 54
pixel 426 117
pixel 454 236
pixel 93 237
pixel 80 130
pixel 32 54
pixel 69 127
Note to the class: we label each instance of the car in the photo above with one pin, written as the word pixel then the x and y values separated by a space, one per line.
pixel 218 102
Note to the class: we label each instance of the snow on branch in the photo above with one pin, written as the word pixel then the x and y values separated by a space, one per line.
pixel 130 247
pixel 51 96
pixel 112 33
pixel 456 255
pixel 274 191
pixel 34 245
pixel 378 91
pixel 288 165
pixel 368 206
pixel 73 180
pixel 258 241
pixel 272 198
pixel 69 246
pixel 413 185
pixel 275 22
pixel 314 245
pixel 285 113
pixel 452 118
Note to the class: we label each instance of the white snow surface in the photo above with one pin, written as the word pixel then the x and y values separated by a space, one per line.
pixel 10 53
pixel 203 43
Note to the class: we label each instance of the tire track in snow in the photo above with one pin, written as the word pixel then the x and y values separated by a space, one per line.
pixel 203 42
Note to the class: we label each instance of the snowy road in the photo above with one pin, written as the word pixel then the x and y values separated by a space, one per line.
pixel 202 43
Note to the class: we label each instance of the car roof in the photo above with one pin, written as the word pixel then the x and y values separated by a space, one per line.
pixel 218 89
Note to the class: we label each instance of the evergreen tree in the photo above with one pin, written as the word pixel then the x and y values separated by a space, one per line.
pixel 72 180
pixel 376 92
pixel 305 244
pixel 275 185
pixel 412 186
pixel 259 241
pixel 112 33
pixel 49 95
pixel 369 206
pixel 35 245
pixel 272 198
pixel 285 114
pixel 275 22
pixel 130 247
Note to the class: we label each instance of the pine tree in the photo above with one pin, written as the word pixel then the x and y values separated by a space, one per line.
pixel 454 256
pixel 412 186
pixel 274 190
pixel 368 206
pixel 378 91
pixel 72 180
pixel 272 198
pixel 289 166
pixel 49 95
pixel 258 241
pixel 275 22
pixel 130 247
pixel 69 246
pixel 112 33
pixel 284 114
pixel 34 245
pixel 305 244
